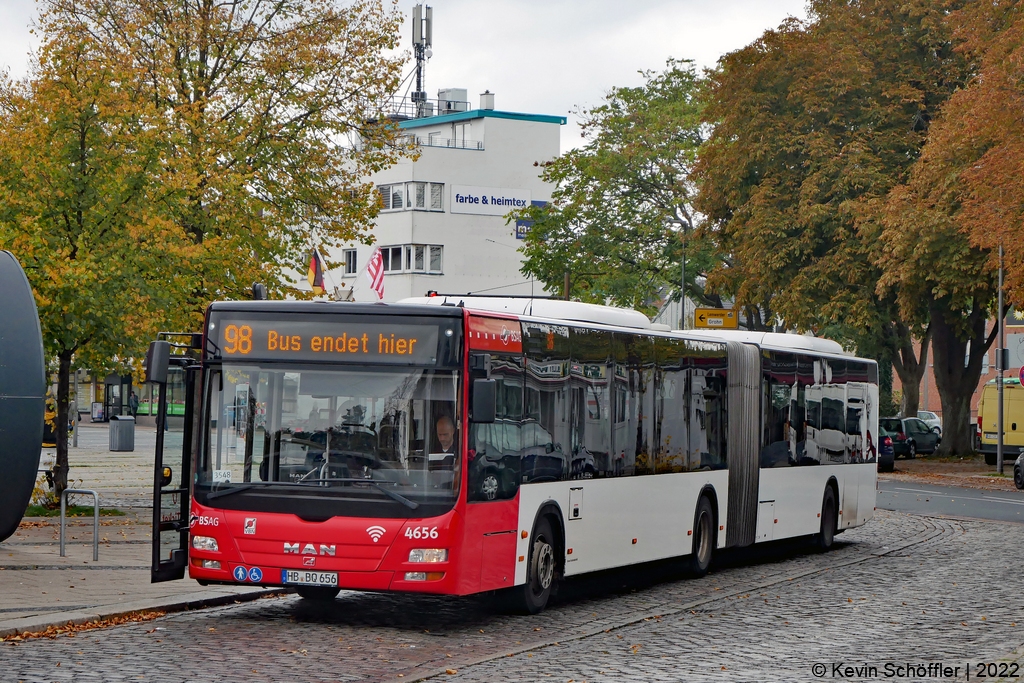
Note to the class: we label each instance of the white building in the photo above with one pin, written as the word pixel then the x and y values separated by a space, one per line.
pixel 443 225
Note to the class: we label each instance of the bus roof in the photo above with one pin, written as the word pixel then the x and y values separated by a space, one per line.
pixel 554 309
pixel 771 340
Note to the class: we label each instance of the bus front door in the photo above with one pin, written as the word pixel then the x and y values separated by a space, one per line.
pixel 172 463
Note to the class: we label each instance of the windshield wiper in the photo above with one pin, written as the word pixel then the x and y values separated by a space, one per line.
pixel 248 485
pixel 411 504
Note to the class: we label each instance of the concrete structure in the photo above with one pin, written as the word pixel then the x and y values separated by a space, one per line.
pixel 443 224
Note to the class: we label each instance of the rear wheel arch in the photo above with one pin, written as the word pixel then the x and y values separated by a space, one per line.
pixel 709 492
pixel 551 511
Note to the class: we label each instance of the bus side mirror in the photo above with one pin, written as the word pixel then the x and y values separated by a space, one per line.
pixel 485 395
pixel 157 359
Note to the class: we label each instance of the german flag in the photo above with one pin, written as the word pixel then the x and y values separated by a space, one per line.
pixel 316 273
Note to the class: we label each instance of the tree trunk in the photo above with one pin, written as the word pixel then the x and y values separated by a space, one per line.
pixel 910 367
pixel 956 381
pixel 60 468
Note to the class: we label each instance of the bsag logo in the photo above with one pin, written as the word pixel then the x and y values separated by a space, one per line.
pixel 308 549
pixel 203 520
pixel 508 335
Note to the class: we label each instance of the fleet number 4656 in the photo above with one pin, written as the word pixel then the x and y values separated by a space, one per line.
pixel 420 532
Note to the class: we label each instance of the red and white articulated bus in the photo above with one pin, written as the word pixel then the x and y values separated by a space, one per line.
pixel 465 445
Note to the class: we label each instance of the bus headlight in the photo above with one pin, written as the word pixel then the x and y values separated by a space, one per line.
pixel 424 576
pixel 428 555
pixel 205 543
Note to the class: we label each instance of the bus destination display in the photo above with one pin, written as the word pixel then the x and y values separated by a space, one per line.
pixel 326 341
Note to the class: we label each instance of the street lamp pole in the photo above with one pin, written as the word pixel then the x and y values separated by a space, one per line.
pixel 1000 367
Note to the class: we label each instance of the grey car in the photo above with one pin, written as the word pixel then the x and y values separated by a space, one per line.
pixel 909 435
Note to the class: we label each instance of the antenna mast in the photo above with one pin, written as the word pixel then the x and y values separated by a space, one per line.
pixel 422 30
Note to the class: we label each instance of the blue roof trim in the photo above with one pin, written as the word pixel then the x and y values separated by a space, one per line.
pixel 481 114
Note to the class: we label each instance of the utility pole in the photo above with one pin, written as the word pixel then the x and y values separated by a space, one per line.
pixel 74 406
pixel 682 285
pixel 1000 367
pixel 567 285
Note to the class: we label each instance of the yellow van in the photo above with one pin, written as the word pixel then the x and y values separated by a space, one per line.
pixel 1013 420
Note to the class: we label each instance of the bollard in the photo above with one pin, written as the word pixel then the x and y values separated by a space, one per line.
pixel 95 520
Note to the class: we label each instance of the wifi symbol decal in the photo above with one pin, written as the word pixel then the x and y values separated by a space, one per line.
pixel 375 532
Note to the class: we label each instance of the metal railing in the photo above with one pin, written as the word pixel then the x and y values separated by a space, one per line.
pixel 435 141
pixel 95 519
pixel 407 108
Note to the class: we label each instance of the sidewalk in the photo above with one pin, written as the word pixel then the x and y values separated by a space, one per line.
pixel 38 588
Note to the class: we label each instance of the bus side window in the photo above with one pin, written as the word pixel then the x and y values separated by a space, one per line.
pixel 633 422
pixel 496 448
pixel 672 452
pixel 547 438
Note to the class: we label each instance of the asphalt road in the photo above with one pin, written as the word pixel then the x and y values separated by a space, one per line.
pixel 951 501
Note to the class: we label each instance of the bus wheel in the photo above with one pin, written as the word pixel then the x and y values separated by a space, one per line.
pixel 532 597
pixel 318 593
pixel 704 538
pixel 824 538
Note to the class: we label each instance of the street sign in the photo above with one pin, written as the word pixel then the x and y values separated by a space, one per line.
pixel 715 318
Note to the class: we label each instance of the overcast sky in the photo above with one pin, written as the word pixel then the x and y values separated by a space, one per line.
pixel 540 56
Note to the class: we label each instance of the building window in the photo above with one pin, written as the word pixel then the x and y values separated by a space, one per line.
pixel 414 196
pixel 392 259
pixel 418 258
pixel 350 261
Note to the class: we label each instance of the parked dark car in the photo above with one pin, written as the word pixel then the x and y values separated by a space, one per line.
pixel 886 454
pixel 1018 472
pixel 909 435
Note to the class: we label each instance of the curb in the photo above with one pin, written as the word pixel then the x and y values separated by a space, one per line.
pixel 183 604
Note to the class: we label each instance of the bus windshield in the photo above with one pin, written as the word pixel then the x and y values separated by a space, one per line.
pixel 359 434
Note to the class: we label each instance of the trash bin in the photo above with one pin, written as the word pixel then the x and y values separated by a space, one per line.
pixel 122 433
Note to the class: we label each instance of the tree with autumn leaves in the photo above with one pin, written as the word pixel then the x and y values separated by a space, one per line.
pixel 76 164
pixel 860 170
pixel 944 225
pixel 161 155
pixel 815 123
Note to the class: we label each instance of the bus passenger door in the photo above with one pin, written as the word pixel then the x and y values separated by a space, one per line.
pixel 175 378
pixel 494 452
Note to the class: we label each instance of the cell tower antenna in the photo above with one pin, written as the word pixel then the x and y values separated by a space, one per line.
pixel 422 31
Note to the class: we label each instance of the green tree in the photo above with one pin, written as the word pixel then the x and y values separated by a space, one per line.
pixel 76 160
pixel 270 114
pixel 622 203
pixel 815 122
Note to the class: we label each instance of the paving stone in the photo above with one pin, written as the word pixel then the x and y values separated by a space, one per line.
pixel 901 589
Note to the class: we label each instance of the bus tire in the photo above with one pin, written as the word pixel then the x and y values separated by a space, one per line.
pixel 317 593
pixel 705 538
pixel 826 535
pixel 532 597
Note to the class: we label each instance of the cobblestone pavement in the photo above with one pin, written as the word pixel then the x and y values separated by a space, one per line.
pixel 901 589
